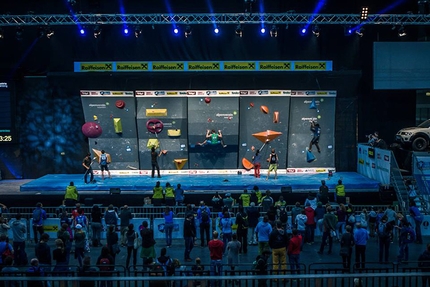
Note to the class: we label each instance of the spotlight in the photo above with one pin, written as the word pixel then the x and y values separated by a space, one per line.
pixel 18 34
pixel 1 33
pixel 274 31
pixel 49 33
pixel 239 30
pixel 188 31
pixel 303 30
pixel 97 31
pixel 82 31
pixel 364 13
pixel 347 30
pixel 316 31
pixel 263 30
pixel 137 31
pixel 401 32
pixel 176 30
pixel 216 30
pixel 126 31
pixel 360 32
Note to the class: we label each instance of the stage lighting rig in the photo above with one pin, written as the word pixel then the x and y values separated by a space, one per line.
pixel 18 33
pixel 316 31
pixel 360 32
pixel 137 31
pixel 274 31
pixel 401 32
pixel 239 31
pixel 188 31
pixel 364 13
pixel 49 33
pixel 97 31
pixel 1 33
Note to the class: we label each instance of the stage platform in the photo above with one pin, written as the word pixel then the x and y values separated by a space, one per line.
pixel 353 182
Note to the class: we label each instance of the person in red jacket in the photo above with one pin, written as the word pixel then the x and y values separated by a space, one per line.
pixel 216 248
pixel 310 224
pixel 294 252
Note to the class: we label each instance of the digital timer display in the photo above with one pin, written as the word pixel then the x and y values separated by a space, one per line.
pixel 7 115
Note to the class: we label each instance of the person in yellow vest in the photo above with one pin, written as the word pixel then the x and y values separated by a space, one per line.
pixel 340 192
pixel 245 198
pixel 71 196
pixel 169 195
pixel 258 194
pixel 281 201
pixel 157 195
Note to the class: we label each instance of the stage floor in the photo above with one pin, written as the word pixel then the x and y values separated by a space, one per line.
pixel 55 183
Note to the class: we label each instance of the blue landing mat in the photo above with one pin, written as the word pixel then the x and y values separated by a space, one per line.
pixel 299 182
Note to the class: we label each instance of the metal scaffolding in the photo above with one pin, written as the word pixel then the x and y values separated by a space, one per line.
pixel 201 19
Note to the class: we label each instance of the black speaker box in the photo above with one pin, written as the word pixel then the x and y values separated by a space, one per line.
pixel 115 190
pixel 286 189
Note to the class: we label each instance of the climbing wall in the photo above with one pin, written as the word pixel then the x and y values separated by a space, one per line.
pixel 110 125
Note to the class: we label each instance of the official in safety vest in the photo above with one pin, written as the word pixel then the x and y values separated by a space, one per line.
pixel 340 192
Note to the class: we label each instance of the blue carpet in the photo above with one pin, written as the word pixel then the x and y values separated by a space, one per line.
pixel 353 182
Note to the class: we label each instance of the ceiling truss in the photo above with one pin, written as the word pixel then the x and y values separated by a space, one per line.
pixel 201 19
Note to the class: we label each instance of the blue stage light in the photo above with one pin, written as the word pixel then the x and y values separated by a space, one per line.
pixel 82 31
pixel 176 31
pixel 126 31
pixel 216 30
pixel 303 31
pixel 263 30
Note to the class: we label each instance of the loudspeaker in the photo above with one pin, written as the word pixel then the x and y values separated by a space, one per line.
pixel 115 190
pixel 286 189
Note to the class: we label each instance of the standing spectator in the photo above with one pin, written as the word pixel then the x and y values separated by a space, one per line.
pixel 226 224
pixel 81 219
pixel 261 266
pixel 228 201
pixel 64 235
pixel 75 212
pixel 111 217
pixel 294 251
pixel 350 215
pixel 168 225
pixel 87 271
pixel 323 194
pixel 418 219
pixel 361 236
pixel 391 215
pixel 329 223
pixel 9 270
pixel 19 230
pixel 157 194
pixel 384 230
pixel 39 215
pixel 80 241
pixel 179 195
pixel 96 225
pixel 169 194
pixel 281 202
pixel 71 196
pixel 256 191
pixel 233 248
pixel 341 220
pixel 242 229
pixel 189 235
pixel 312 200
pixel 346 244
pixel 253 217
pixel 125 217
pixel 216 248
pixel 204 217
pixel 372 221
pixel 319 215
pixel 296 210
pixel 364 218
pixel 4 226
pixel 267 201
pixel 131 236
pixel 262 232
pixel 36 270
pixel 424 264
pixel 112 241
pixel 406 236
pixel 166 262
pixel 60 257
pixel 310 224
pixel 340 192
pixel 147 252
pixel 278 242
pixel 3 246
pixel 217 202
pixel 301 225
pixel 105 263
pixel 245 198
pixel 43 251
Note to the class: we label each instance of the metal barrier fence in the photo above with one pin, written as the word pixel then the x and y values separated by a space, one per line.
pixel 412 279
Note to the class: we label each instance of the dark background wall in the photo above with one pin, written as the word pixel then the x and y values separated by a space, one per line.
pixel 48 108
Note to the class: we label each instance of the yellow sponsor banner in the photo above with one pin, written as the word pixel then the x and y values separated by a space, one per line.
pixel 132 66
pixel 97 67
pixel 172 93
pixel 310 66
pixel 50 228
pixel 275 92
pixel 275 66
pixel 203 66
pixel 168 66
pixel 239 66
pixel 322 93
